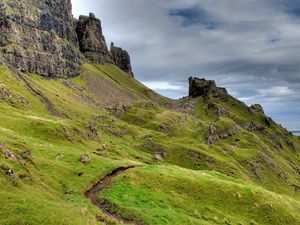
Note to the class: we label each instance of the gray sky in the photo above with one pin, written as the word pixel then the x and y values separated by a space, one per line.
pixel 251 47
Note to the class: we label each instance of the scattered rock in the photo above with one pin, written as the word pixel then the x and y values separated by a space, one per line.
pixel 85 159
pixel 118 110
pixel 213 135
pixel 158 157
pixel 71 85
pixel 101 148
pixel 253 126
pixel 59 156
pixel 9 172
pixel 93 131
pixel 12 98
pixel 27 155
pixel 218 111
pixel 7 153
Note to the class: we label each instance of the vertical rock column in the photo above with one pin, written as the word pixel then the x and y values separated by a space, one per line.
pixel 121 59
pixel 91 40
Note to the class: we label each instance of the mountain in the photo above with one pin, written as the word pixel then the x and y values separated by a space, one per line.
pixel 83 142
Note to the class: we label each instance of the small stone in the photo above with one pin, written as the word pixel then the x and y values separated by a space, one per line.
pixel 27 155
pixel 7 153
pixel 9 172
pixel 85 158
pixel 59 156
pixel 158 157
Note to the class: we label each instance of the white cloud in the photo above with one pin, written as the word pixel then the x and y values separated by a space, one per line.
pixel 158 86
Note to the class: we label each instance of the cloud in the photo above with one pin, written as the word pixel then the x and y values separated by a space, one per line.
pixel 161 86
pixel 251 47
pixel 195 16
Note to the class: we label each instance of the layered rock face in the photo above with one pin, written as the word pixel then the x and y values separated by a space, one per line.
pixel 121 59
pixel 91 40
pixel 39 37
pixel 42 37
pixel 201 87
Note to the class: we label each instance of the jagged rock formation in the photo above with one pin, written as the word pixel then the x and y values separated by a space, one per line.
pixel 201 87
pixel 41 37
pixel 121 59
pixel 256 108
pixel 91 40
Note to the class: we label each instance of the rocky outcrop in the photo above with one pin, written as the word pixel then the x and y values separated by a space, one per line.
pixel 214 135
pixel 207 88
pixel 256 108
pixel 42 37
pixel 91 40
pixel 253 126
pixel 39 37
pixel 121 59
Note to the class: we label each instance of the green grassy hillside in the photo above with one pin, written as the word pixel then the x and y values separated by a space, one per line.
pixel 248 175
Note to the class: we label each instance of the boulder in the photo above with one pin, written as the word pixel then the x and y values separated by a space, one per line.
pixel 85 159
pixel 59 156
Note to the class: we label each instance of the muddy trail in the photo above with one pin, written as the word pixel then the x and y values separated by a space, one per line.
pixel 105 206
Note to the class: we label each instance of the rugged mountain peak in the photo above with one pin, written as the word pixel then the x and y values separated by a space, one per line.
pixel 121 59
pixel 41 37
pixel 91 40
pixel 201 87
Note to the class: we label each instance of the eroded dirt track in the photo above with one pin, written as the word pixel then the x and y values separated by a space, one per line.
pixel 104 206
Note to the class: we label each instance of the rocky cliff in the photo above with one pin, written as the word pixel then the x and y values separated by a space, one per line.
pixel 201 87
pixel 91 40
pixel 39 37
pixel 42 37
pixel 121 59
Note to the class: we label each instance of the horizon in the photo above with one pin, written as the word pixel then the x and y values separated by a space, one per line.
pixel 253 57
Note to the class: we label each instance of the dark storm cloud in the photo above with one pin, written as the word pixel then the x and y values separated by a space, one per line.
pixel 251 47
pixel 195 16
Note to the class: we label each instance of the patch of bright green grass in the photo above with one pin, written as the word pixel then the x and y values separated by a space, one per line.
pixel 173 195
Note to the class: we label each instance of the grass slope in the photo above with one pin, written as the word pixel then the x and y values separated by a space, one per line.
pixel 195 182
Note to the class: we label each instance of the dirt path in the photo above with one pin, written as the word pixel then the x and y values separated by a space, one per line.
pixel 49 105
pixel 104 206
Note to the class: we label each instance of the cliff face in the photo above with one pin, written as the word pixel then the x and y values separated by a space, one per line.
pixel 42 37
pixel 39 37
